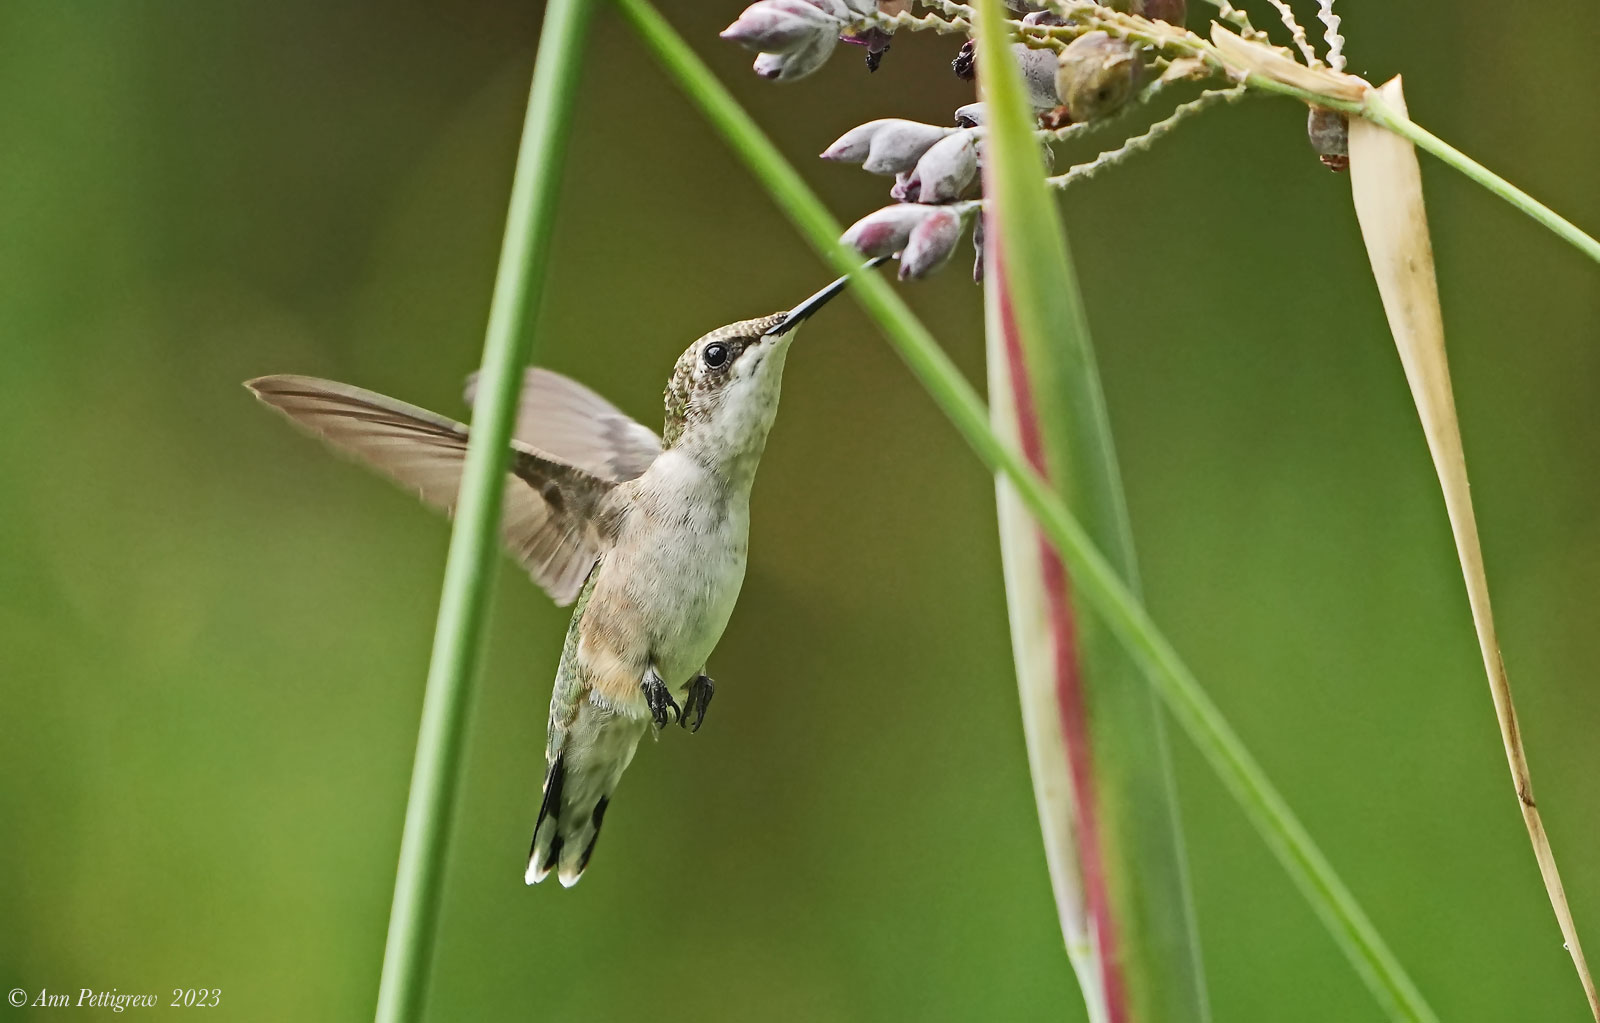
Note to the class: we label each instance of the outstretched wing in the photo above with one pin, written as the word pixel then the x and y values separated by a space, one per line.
pixel 552 520
pixel 561 416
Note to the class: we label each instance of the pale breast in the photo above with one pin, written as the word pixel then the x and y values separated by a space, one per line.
pixel 679 563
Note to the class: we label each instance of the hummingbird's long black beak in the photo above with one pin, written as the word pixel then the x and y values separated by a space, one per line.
pixel 792 318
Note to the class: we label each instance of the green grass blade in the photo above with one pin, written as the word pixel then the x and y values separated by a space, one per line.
pixel 474 542
pixel 1099 585
pixel 1119 794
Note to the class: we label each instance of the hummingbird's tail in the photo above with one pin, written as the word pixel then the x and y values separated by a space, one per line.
pixel 585 762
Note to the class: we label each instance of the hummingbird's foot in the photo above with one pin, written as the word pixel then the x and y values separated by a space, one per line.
pixel 659 698
pixel 696 702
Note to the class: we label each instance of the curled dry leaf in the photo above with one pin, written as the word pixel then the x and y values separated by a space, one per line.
pixel 1386 184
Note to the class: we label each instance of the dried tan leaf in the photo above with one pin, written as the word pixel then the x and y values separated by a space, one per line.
pixel 1387 186
pixel 1269 63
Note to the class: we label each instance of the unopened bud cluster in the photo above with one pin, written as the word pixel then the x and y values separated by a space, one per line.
pixel 936 166
pixel 933 167
pixel 937 185
pixel 796 37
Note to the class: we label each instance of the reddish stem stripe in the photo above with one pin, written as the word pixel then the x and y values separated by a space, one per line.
pixel 1070 702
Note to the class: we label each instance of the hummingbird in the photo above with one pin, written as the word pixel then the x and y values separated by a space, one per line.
pixel 645 535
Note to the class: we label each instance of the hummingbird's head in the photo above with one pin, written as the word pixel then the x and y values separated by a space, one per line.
pixel 723 394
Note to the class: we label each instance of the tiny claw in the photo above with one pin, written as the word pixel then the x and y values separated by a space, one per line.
pixel 659 699
pixel 696 702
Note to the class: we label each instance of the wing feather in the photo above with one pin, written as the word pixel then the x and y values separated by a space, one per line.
pixel 553 519
pixel 561 416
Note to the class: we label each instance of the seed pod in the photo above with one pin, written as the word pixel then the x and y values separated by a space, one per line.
pixel 786 67
pixel 885 232
pixel 969 116
pixel 1095 76
pixel 947 168
pixel 898 145
pixel 931 244
pixel 1329 131
pixel 780 26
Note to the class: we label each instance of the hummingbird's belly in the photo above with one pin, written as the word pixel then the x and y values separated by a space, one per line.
pixel 670 583
pixel 687 594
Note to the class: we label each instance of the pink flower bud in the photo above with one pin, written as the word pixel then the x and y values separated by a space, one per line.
pixel 885 232
pixel 844 10
pixel 780 26
pixel 931 243
pixel 947 168
pixel 898 145
pixel 906 187
pixel 786 67
pixel 853 145
pixel 1038 74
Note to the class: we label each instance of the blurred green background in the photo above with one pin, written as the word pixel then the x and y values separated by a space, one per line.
pixel 213 635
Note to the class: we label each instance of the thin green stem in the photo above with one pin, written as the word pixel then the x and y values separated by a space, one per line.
pixel 1097 582
pixel 1377 109
pixel 469 568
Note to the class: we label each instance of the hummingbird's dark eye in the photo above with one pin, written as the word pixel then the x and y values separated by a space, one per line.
pixel 715 355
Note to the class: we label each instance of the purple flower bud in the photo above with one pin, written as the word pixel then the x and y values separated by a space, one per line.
pixel 931 243
pixel 889 145
pixel 898 145
pixel 786 67
pixel 906 187
pixel 1038 74
pixel 780 26
pixel 837 9
pixel 885 232
pixel 970 116
pixel 853 145
pixel 947 168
